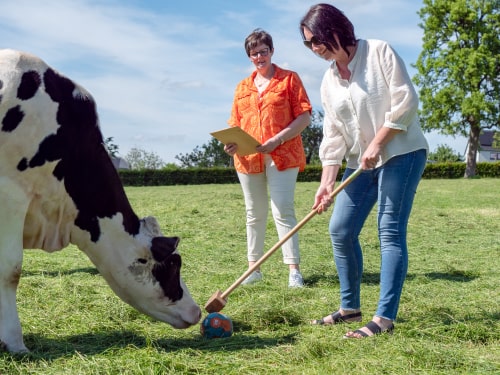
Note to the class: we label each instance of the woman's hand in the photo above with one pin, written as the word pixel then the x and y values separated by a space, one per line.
pixel 322 199
pixel 231 148
pixel 371 156
pixel 269 146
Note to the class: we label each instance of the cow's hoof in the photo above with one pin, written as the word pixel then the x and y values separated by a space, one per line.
pixel 20 350
pixel 3 347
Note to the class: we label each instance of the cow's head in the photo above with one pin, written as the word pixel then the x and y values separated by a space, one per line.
pixel 145 272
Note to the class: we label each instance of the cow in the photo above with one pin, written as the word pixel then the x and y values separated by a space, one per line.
pixel 58 186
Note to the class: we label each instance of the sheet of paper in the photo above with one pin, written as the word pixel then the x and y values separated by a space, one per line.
pixel 246 143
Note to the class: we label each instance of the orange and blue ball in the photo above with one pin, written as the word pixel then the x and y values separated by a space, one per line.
pixel 216 325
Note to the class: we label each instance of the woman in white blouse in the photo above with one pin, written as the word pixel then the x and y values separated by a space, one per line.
pixel 371 121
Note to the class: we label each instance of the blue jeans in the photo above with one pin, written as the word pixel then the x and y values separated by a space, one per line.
pixel 392 186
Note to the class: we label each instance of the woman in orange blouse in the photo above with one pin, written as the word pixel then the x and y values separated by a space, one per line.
pixel 272 106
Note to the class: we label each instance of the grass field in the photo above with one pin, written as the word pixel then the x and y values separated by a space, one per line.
pixel 448 321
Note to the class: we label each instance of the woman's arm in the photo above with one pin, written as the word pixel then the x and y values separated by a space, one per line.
pixel 371 156
pixel 322 198
pixel 295 128
pixel 291 131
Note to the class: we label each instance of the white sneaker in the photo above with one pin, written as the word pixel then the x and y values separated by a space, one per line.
pixel 254 277
pixel 295 279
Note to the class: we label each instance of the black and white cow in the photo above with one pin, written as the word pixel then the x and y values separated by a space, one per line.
pixel 59 186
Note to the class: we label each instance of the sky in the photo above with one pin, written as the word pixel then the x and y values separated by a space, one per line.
pixel 163 72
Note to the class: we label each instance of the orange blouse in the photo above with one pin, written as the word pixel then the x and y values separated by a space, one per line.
pixel 265 115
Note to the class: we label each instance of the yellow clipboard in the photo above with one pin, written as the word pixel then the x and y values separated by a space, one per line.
pixel 246 143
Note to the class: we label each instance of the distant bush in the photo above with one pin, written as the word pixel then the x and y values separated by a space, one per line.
pixel 178 176
pixel 199 176
pixel 457 170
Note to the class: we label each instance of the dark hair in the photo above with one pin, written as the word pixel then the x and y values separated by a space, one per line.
pixel 258 36
pixel 325 20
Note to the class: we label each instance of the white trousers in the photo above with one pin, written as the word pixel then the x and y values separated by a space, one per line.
pixel 281 190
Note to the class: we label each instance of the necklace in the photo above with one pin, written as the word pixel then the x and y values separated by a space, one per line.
pixel 259 81
pixel 262 81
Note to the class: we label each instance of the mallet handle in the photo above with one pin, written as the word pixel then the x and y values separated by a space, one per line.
pixel 285 238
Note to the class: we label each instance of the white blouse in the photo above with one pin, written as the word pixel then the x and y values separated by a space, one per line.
pixel 379 93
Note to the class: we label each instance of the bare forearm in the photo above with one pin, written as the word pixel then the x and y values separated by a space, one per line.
pixel 294 128
pixel 371 156
pixel 384 136
pixel 329 175
pixel 291 131
pixel 322 198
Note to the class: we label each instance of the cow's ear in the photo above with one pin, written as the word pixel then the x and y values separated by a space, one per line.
pixel 151 226
pixel 162 247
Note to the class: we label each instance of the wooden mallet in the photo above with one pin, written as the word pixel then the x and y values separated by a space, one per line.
pixel 218 300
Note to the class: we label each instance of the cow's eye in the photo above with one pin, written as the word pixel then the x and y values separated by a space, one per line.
pixel 142 260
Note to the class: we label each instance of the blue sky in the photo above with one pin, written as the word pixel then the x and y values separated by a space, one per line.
pixel 163 72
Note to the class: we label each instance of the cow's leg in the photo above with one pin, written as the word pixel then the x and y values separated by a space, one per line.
pixel 12 215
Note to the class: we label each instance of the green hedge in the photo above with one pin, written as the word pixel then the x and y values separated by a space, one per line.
pixel 189 176
pixel 198 176
pixel 457 170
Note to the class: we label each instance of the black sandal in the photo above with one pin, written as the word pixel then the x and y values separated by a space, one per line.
pixel 337 317
pixel 374 328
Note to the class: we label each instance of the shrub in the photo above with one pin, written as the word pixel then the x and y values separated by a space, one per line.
pixel 219 175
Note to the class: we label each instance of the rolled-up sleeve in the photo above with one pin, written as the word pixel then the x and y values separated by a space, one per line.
pixel 333 146
pixel 298 96
pixel 403 97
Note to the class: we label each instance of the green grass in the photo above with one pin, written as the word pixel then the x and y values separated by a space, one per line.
pixel 447 324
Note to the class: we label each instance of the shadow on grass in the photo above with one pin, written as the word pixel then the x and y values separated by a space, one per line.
pixel 51 349
pixel 369 278
pixel 233 343
pixel 45 348
pixel 453 275
pixel 373 278
pixel 89 270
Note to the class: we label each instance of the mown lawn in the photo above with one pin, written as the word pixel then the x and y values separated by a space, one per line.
pixel 448 320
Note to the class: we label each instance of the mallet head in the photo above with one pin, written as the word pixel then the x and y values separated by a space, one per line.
pixel 216 303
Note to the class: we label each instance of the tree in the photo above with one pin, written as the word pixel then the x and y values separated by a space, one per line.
pixel 141 159
pixel 496 140
pixel 312 136
pixel 209 155
pixel 111 147
pixel 444 153
pixel 459 69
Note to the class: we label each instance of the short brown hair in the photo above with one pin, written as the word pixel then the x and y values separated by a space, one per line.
pixel 258 36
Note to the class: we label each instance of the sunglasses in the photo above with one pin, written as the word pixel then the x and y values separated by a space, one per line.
pixel 263 52
pixel 309 43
